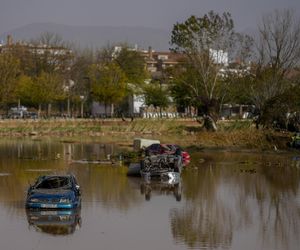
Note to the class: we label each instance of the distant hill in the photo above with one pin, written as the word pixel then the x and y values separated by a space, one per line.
pixel 95 36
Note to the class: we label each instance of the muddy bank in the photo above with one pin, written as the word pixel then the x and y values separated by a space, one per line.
pixel 186 132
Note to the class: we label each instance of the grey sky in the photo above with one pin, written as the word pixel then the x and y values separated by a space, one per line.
pixel 148 13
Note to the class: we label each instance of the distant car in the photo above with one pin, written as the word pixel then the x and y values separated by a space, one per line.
pixel 54 192
pixel 157 148
pixel 31 115
pixel 21 113
pixel 15 115
pixel 17 112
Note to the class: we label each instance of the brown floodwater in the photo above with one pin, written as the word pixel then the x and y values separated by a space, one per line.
pixel 225 200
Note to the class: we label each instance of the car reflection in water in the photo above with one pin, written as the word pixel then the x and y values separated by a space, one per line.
pixel 55 222
pixel 171 185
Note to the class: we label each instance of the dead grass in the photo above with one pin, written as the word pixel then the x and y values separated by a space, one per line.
pixel 236 134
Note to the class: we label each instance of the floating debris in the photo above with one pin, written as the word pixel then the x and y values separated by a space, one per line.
pixel 250 171
pixel 201 160
pixel 109 162
pixel 38 170
pixel 5 174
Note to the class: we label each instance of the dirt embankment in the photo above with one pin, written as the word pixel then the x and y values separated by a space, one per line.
pixel 233 134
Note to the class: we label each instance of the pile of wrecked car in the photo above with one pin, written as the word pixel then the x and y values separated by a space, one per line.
pixel 160 161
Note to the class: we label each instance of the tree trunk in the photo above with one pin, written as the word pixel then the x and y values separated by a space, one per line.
pixel 49 110
pixel 68 108
pixel 81 109
pixel 39 110
pixel 241 111
pixel 209 123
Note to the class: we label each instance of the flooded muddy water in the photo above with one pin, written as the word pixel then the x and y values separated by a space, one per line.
pixel 224 201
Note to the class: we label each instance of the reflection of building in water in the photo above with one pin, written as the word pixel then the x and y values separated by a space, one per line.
pixel 90 151
pixel 55 222
pixel 160 188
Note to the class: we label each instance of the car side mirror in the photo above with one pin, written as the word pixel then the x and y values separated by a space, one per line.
pixel 78 189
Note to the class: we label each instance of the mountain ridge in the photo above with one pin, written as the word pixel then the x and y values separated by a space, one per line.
pixel 95 36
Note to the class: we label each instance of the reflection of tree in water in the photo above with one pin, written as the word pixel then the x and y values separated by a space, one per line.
pixel 106 184
pixel 30 149
pixel 206 221
pixel 277 201
pixel 271 193
pixel 253 191
pixel 198 229
pixel 91 151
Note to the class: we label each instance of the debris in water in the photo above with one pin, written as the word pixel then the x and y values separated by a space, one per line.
pixel 5 174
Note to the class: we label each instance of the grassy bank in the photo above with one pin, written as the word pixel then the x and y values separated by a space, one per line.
pixel 233 134
pixel 72 127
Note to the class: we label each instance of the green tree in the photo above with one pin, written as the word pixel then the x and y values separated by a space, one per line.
pixel 181 76
pixel 133 65
pixel 156 95
pixel 205 41
pixel 80 91
pixel 108 84
pixel 24 90
pixel 45 89
pixel 9 77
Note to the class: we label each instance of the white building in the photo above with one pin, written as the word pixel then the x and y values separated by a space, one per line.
pixel 219 56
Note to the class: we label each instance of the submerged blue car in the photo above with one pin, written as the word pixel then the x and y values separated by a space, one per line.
pixel 54 192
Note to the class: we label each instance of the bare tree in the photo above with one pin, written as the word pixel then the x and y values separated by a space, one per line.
pixel 279 41
pixel 49 39
pixel 278 53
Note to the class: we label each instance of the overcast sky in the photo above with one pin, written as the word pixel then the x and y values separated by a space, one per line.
pixel 148 13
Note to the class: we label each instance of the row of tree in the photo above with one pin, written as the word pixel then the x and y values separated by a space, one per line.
pixel 266 73
pixel 47 72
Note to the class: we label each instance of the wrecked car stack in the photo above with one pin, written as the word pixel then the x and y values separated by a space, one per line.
pixel 162 166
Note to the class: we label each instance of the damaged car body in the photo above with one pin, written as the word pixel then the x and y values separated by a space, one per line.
pixel 54 192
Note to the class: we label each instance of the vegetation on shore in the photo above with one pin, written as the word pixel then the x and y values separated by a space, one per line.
pixel 187 132
pixel 213 65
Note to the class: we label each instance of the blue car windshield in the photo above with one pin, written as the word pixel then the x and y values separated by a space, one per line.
pixel 54 182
